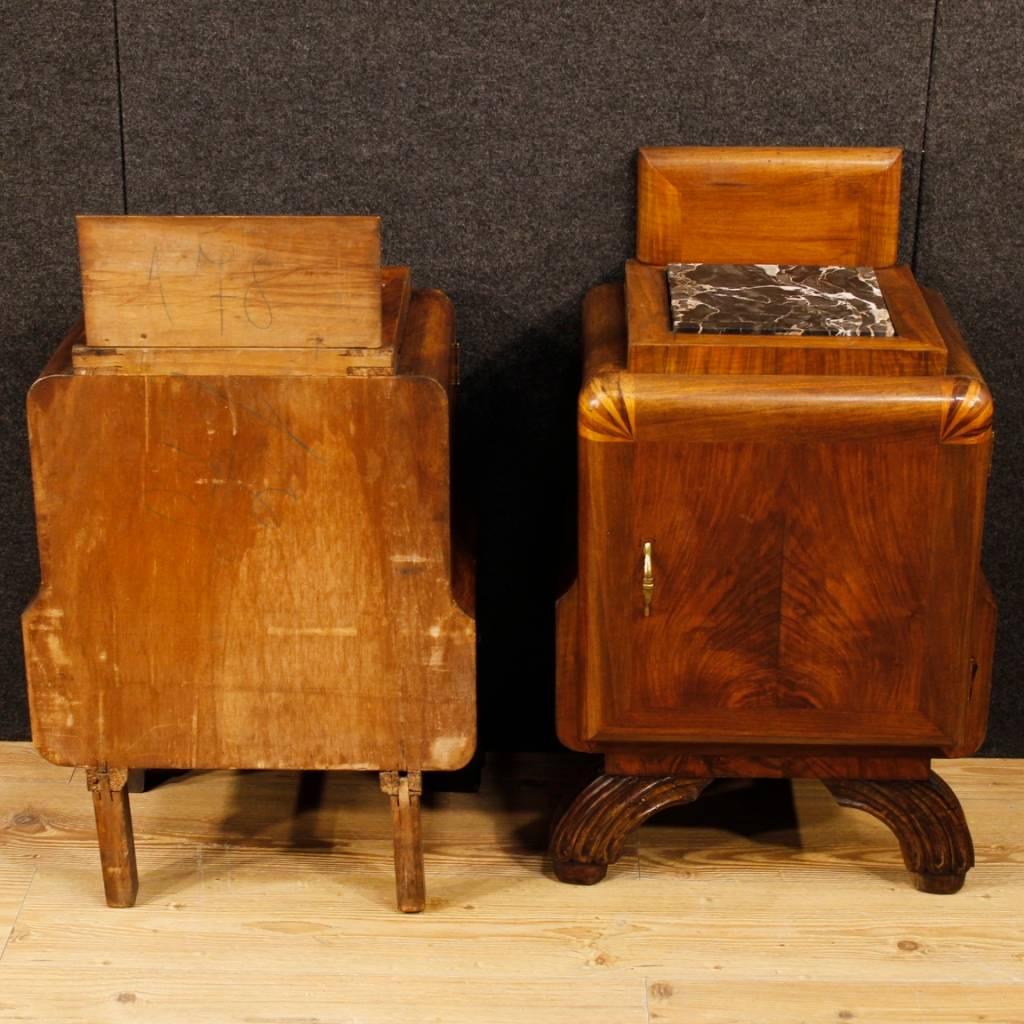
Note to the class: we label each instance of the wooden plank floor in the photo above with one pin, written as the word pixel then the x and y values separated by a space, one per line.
pixel 766 904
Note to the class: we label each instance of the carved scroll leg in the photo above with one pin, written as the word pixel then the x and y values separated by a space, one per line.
pixel 591 833
pixel 114 832
pixel 404 789
pixel 926 818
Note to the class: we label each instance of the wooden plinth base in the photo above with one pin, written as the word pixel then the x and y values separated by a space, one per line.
pixel 110 788
pixel 924 815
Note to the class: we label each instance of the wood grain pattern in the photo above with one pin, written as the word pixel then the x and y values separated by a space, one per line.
pixel 928 821
pixel 247 561
pixel 741 407
pixel 253 908
pixel 591 833
pixel 109 788
pixel 805 530
pixel 917 349
pixel 607 408
pixel 778 537
pixel 260 578
pixel 768 205
pixel 965 499
pixel 721 761
pixel 924 814
pixel 431 317
pixel 969 419
pixel 396 290
pixel 674 1000
pixel 248 995
pixel 164 282
pixel 982 647
pixel 404 790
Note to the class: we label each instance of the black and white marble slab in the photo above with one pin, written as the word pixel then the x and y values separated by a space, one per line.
pixel 772 298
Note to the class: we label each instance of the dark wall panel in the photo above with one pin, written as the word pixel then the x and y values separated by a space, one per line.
pixel 60 153
pixel 497 141
pixel 972 249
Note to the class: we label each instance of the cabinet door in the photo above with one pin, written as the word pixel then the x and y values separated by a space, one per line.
pixel 802 592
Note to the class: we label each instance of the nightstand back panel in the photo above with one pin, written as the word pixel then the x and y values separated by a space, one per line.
pixel 246 571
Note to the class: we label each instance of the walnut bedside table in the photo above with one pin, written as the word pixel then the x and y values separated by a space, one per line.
pixel 779 536
pixel 242 488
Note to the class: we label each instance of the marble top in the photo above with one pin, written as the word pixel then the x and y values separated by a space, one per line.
pixel 773 298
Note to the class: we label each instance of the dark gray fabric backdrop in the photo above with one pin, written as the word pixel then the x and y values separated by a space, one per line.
pixel 497 141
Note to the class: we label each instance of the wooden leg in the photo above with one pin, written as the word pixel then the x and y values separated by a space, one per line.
pixel 926 818
pixel 114 831
pixel 591 833
pixel 404 789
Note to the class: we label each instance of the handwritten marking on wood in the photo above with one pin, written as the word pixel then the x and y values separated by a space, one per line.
pixel 168 282
pixel 240 533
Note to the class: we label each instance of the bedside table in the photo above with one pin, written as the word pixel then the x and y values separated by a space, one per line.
pixel 242 489
pixel 779 536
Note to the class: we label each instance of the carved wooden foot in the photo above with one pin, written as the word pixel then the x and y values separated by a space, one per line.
pixel 926 818
pixel 114 832
pixel 593 830
pixel 404 789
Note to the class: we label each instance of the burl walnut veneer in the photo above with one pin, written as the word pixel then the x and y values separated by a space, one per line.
pixel 779 536
pixel 242 491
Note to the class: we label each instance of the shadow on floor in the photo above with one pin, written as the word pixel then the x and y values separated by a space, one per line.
pixel 762 810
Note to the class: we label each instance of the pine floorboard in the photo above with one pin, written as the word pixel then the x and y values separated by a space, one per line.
pixel 763 904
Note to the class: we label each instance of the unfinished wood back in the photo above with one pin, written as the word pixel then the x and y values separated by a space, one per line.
pixel 250 571
pixel 260 360
pixel 277 282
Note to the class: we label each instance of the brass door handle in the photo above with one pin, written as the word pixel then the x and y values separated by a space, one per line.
pixel 647 581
